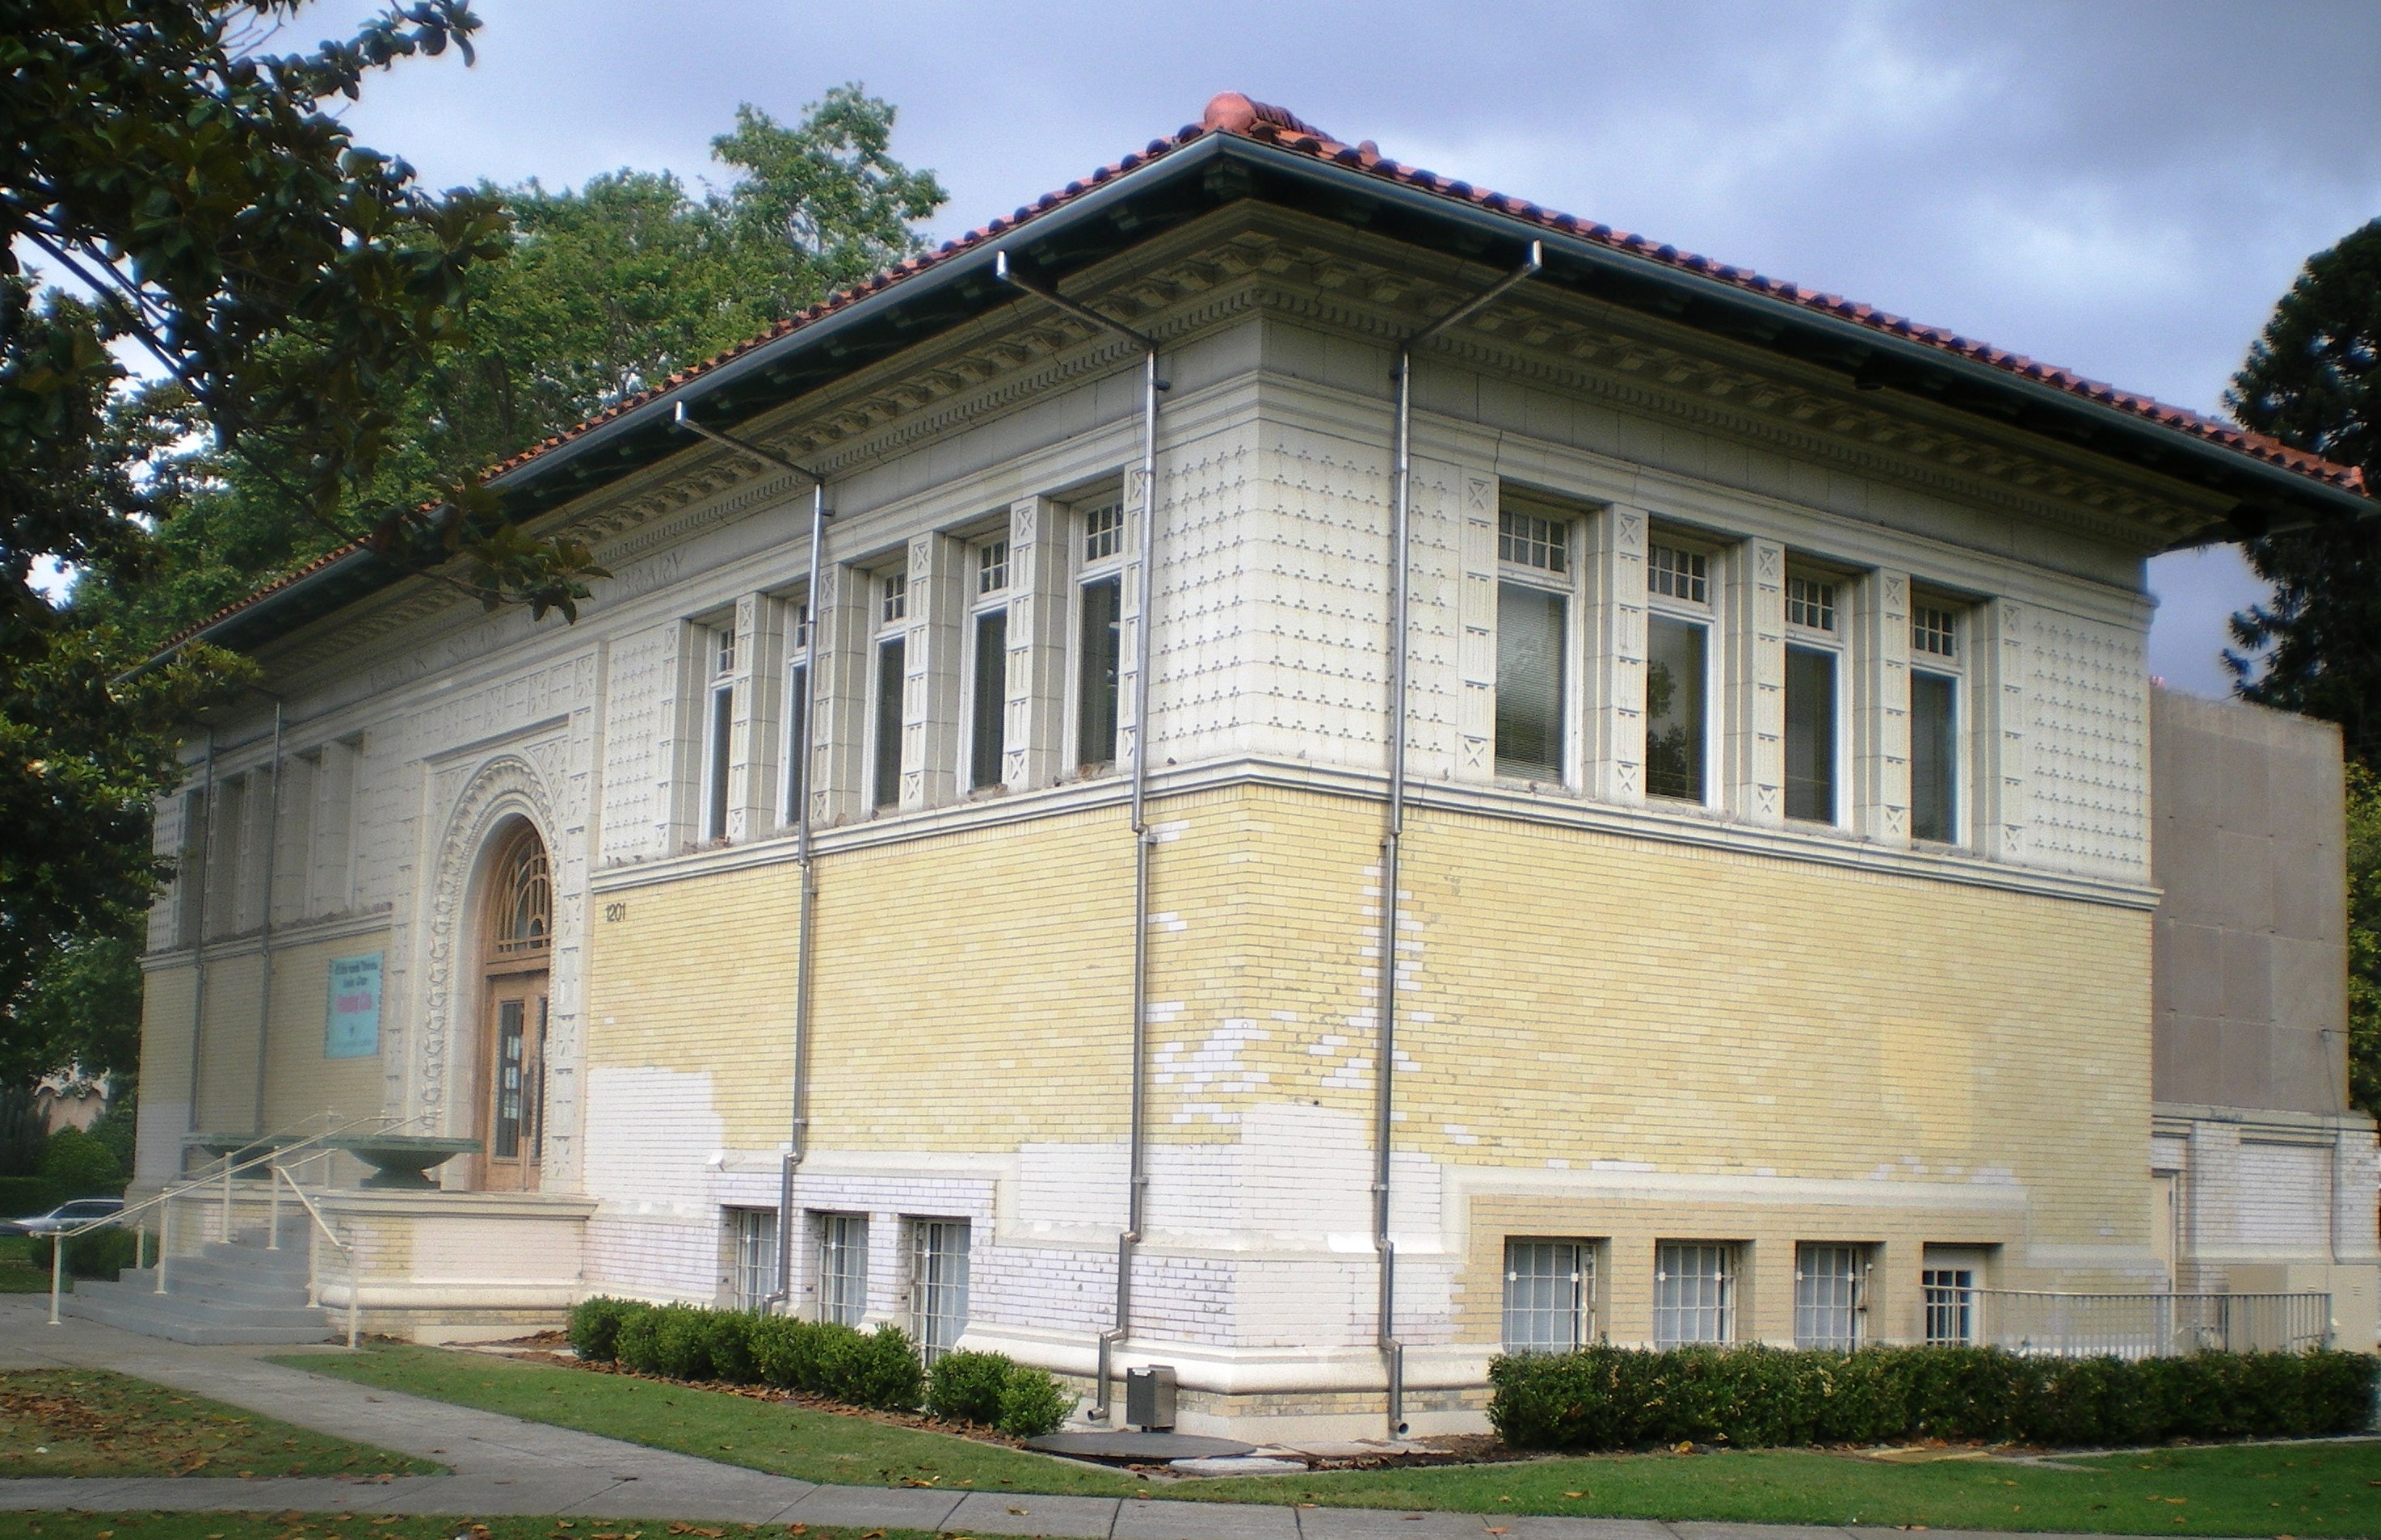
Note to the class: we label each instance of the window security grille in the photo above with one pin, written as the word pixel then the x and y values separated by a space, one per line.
pixel 752 1237
pixel 1950 1304
pixel 1829 1286
pixel 1103 532
pixel 1676 574
pixel 1549 1295
pixel 1528 541
pixel 938 1284
pixel 1934 630
pixel 843 1268
pixel 1694 1293
pixel 1810 603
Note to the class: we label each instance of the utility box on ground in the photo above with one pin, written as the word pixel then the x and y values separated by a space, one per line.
pixel 1148 1398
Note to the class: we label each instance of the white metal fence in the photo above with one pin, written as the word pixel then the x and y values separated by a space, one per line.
pixel 2151 1326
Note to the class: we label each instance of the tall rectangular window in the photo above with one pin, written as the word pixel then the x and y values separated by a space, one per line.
pixel 1830 1289
pixel 938 1283
pixel 798 737
pixel 719 727
pixel 721 736
pixel 1531 624
pixel 796 758
pixel 753 1239
pixel 843 1268
pixel 1694 1292
pixel 1951 1294
pixel 989 704
pixel 1677 710
pixel 1810 735
pixel 988 684
pixel 1933 757
pixel 1549 1295
pixel 1533 631
pixel 891 660
pixel 1936 668
pixel 1101 658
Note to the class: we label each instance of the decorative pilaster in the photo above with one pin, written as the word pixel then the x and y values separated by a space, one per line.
pixel 756 727
pixel 1615 670
pixel 1755 732
pixel 1880 678
pixel 839 645
pixel 930 673
pixel 1475 710
pixel 2000 693
pixel 1036 708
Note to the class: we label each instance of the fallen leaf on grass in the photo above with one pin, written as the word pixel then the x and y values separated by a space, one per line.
pixel 1574 1494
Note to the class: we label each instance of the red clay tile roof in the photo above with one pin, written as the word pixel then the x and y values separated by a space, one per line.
pixel 1233 113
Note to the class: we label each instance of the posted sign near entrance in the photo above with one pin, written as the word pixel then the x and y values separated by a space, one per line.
pixel 352 1027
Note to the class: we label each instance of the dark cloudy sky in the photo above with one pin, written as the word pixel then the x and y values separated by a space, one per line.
pixel 2121 187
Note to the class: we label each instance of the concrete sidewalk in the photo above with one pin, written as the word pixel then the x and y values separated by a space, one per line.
pixel 503 1465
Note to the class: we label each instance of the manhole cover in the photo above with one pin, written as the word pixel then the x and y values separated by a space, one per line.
pixel 1138 1448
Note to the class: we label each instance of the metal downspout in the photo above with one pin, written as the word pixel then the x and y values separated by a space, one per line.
pixel 199 927
pixel 1393 1351
pixel 798 1129
pixel 1137 1157
pixel 264 934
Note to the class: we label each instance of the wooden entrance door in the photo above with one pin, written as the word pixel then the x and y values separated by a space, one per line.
pixel 512 1119
pixel 517 939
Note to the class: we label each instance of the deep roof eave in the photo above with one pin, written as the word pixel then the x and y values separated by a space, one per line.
pixel 1856 345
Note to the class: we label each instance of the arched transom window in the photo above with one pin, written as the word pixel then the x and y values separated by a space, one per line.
pixel 521 910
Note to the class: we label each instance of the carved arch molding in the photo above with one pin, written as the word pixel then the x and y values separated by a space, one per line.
pixel 508 786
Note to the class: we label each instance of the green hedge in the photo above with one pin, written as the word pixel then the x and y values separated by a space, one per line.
pixel 993 1390
pixel 23 1197
pixel 872 1369
pixel 100 1254
pixel 1607 1398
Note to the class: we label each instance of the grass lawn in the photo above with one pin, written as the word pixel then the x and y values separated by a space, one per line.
pixel 17 1274
pixel 2295 1489
pixel 776 1437
pixel 91 1423
pixel 363 1526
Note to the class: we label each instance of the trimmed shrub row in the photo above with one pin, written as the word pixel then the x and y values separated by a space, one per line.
pixel 1607 1398
pixel 876 1369
pixel 102 1253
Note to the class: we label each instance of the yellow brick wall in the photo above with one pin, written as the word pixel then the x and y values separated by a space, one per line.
pixel 300 1081
pixel 974 988
pixel 1573 997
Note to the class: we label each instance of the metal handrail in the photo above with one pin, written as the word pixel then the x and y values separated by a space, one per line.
pixel 162 1201
pixel 354 1267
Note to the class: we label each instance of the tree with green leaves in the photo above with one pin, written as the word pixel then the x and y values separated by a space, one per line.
pixel 281 282
pixel 2312 380
pixel 603 291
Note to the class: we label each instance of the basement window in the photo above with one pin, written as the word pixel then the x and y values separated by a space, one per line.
pixel 1549 1295
pixel 843 1268
pixel 1694 1292
pixel 1951 1294
pixel 1830 1296
pixel 753 1255
pixel 938 1284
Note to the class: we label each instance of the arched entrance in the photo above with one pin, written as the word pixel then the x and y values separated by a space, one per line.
pixel 515 949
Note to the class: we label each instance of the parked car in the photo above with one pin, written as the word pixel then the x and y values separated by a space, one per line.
pixel 82 1211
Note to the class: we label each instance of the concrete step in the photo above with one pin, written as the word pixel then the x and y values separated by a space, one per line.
pixel 272 1294
pixel 178 1319
pixel 223 1269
